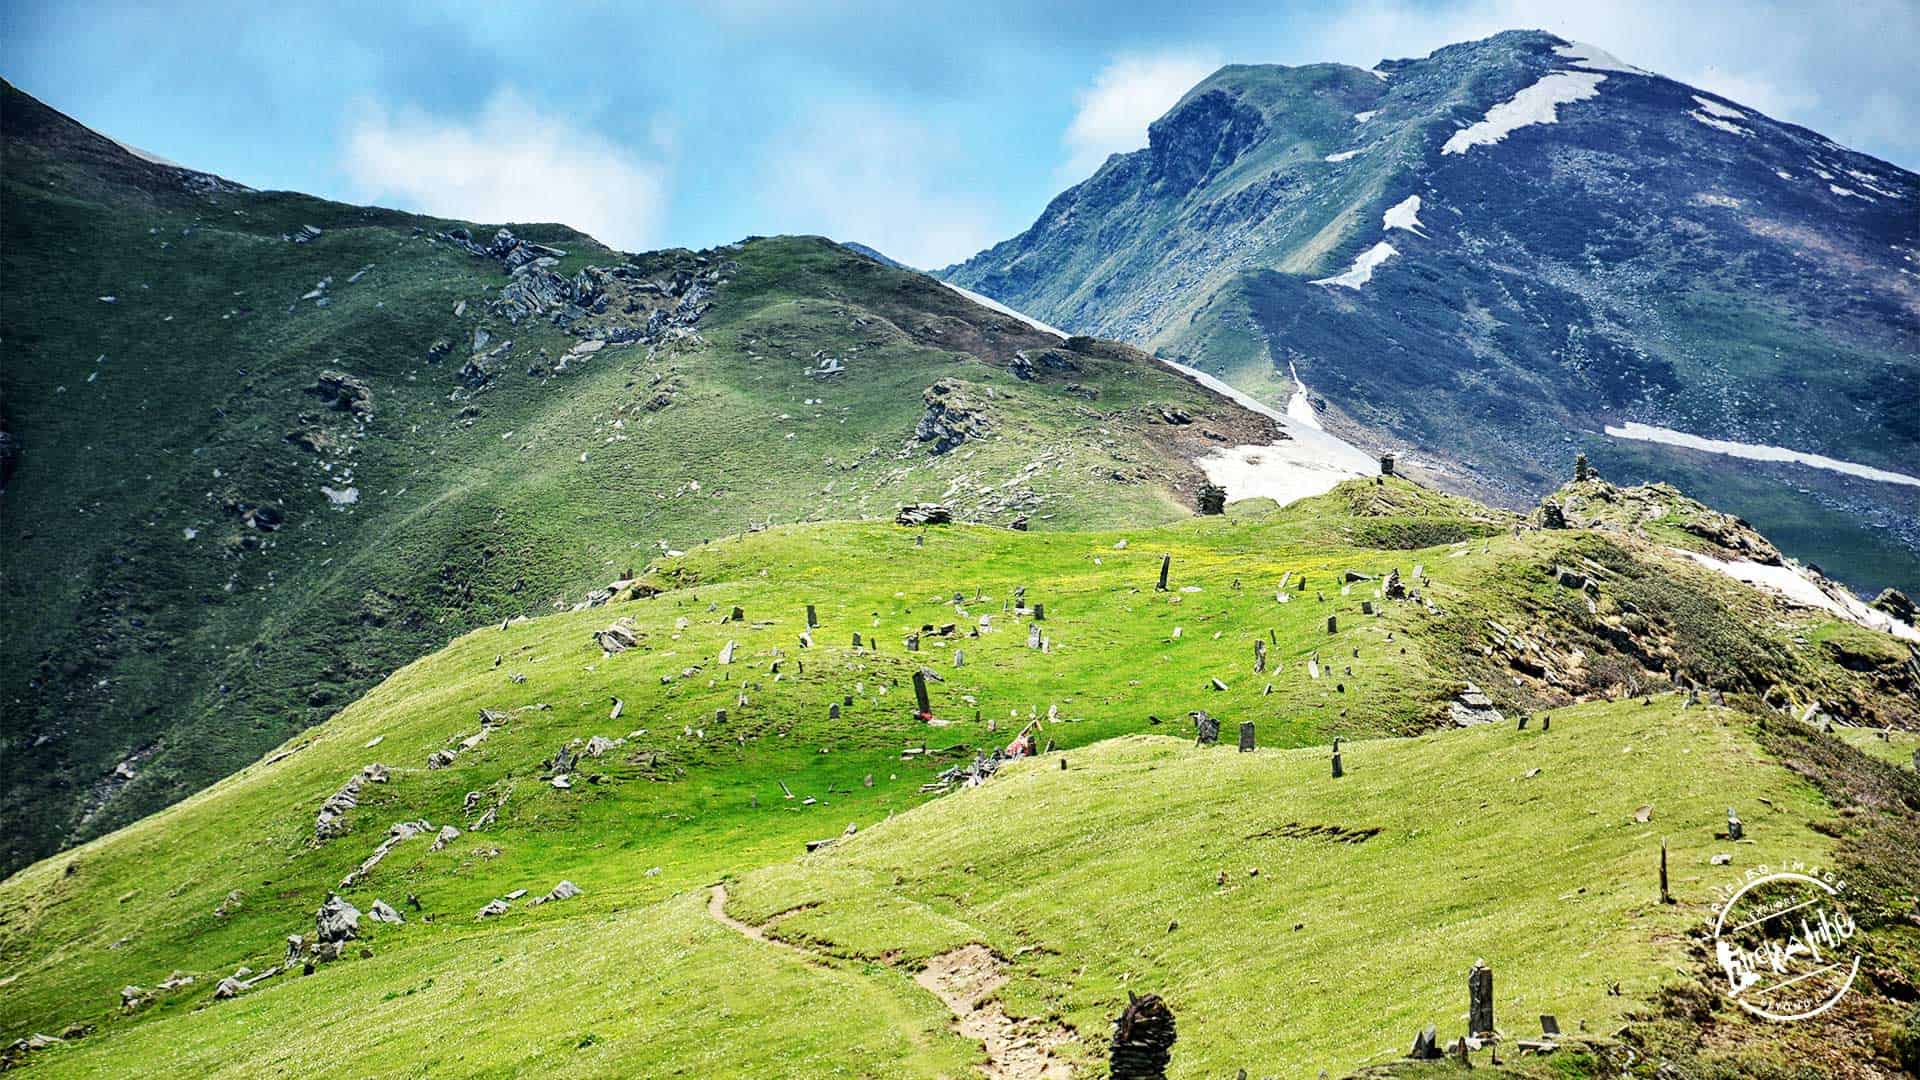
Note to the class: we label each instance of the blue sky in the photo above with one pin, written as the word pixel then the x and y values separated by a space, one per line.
pixel 926 130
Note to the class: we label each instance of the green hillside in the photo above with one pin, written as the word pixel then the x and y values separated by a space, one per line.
pixel 1122 860
pixel 251 468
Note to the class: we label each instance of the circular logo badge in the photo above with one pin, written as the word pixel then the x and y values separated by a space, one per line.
pixel 1781 942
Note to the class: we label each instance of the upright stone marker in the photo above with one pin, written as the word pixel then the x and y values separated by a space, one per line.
pixel 1166 562
pixel 1259 656
pixel 920 694
pixel 813 621
pixel 1480 999
pixel 1246 736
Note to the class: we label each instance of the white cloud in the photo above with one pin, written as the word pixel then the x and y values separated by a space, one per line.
pixel 1126 96
pixel 511 162
pixel 877 175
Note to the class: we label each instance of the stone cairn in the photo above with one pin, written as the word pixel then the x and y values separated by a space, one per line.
pixel 1386 464
pixel 1143 1040
pixel 1582 472
pixel 1213 499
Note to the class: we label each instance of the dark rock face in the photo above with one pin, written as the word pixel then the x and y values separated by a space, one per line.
pixel 1654 255
pixel 1202 135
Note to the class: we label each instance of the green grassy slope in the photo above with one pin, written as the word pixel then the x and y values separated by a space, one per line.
pixel 632 978
pixel 156 639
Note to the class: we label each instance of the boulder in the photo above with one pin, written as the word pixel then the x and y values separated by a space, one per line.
pixel 337 920
pixel 381 911
pixel 924 514
pixel 566 890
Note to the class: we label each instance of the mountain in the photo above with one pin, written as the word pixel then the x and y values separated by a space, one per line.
pixel 262 449
pixel 1515 250
pixel 706 830
pixel 873 254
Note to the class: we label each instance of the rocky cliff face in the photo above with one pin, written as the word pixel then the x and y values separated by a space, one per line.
pixel 1487 257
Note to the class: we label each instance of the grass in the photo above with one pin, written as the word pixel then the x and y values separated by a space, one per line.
pixel 690 799
pixel 1337 952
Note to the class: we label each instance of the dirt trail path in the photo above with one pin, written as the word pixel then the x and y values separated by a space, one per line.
pixel 961 979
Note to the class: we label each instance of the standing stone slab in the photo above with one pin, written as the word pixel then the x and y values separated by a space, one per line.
pixel 1246 736
pixel 1480 999
pixel 920 694
pixel 1259 656
pixel 1166 562
pixel 813 620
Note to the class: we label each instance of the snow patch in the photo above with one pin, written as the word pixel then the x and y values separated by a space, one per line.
pixel 1404 214
pixel 1307 463
pixel 1537 104
pixel 343 497
pixel 1344 155
pixel 1286 471
pixel 1299 406
pixel 1793 584
pixel 1362 270
pixel 1725 112
pixel 1847 192
pixel 1363 117
pixel 1714 122
pixel 1594 58
pixel 1783 174
pixel 1381 75
pixel 991 304
pixel 1756 452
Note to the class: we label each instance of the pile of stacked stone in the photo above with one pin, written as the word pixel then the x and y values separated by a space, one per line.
pixel 1143 1038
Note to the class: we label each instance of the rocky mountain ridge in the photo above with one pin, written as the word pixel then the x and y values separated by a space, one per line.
pixel 1513 250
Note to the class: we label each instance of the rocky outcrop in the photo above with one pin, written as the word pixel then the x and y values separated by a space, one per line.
pixel 955 413
pixel 345 393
